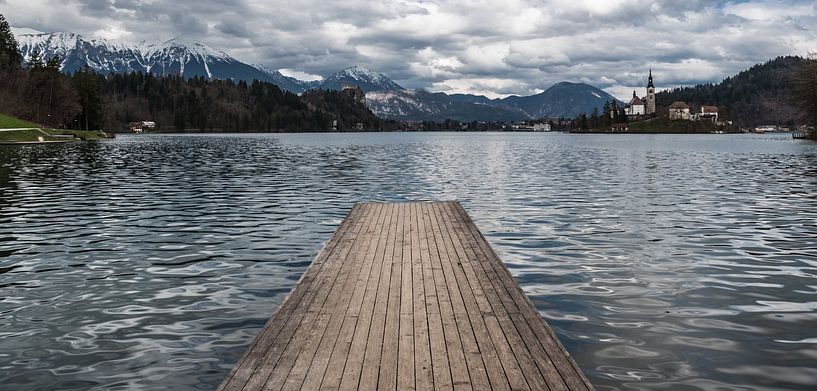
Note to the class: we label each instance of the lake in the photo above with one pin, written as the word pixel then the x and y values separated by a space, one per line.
pixel 662 262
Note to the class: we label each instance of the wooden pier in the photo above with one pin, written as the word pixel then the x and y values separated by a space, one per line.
pixel 406 296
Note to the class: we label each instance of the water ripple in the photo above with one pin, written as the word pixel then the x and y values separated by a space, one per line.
pixel 662 262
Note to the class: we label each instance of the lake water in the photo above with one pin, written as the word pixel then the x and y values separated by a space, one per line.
pixel 662 262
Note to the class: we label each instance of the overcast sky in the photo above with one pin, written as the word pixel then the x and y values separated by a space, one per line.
pixel 487 47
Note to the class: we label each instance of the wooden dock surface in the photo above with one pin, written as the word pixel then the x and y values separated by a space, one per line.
pixel 406 296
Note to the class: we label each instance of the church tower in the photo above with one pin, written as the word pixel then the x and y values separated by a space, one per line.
pixel 650 109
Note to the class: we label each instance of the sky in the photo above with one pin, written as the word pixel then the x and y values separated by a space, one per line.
pixel 489 47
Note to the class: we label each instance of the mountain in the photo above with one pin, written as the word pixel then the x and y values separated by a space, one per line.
pixel 563 99
pixel 756 96
pixel 419 105
pixel 171 57
pixel 387 98
pixel 468 98
pixel 363 78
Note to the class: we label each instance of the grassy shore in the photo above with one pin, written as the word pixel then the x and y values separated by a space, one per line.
pixel 8 122
pixel 29 132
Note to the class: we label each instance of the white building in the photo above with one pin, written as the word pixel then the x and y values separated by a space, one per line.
pixel 545 127
pixel 679 111
pixel 636 107
pixel 709 113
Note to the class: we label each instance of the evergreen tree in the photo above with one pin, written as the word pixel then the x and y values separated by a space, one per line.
pixel 10 57
pixel 805 90
pixel 88 85
pixel 35 62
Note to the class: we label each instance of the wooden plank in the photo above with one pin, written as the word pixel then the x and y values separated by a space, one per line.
pixel 376 340
pixel 342 240
pixel 470 309
pixel 317 366
pixel 457 366
pixel 387 379
pixel 405 350
pixel 422 346
pixel 406 296
pixel 357 350
pixel 271 374
pixel 486 298
pixel 441 368
pixel 558 360
pixel 340 352
pixel 501 306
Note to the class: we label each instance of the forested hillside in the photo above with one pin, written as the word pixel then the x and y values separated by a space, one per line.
pixel 84 99
pixel 200 104
pixel 759 95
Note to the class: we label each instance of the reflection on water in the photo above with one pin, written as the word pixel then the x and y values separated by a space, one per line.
pixel 663 262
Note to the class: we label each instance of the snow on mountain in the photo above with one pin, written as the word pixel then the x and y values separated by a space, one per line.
pixel 360 77
pixel 287 82
pixel 419 105
pixel 385 97
pixel 161 57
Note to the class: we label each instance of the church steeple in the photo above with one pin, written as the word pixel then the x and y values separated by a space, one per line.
pixel 650 96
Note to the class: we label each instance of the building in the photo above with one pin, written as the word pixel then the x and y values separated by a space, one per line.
pixel 709 113
pixel 679 111
pixel 142 126
pixel 636 107
pixel 639 107
pixel 650 104
pixel 545 127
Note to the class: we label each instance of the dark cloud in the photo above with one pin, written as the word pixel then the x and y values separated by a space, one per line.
pixel 518 47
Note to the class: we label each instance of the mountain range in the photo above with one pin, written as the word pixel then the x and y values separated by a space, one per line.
pixel 385 97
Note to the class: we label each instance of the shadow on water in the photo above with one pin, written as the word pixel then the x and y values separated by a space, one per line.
pixel 662 262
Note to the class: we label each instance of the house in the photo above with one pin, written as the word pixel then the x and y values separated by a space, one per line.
pixel 545 127
pixel 640 107
pixel 636 107
pixel 620 127
pixel 679 111
pixel 141 126
pixel 709 112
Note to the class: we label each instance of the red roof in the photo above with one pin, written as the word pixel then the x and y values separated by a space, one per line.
pixel 709 109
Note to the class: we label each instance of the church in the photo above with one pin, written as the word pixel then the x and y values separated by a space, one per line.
pixel 640 107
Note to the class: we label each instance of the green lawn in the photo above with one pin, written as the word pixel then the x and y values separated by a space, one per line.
pixel 7 122
pixel 20 135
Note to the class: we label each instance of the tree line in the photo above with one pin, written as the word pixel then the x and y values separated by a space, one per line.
pixel 39 92
pixel 763 94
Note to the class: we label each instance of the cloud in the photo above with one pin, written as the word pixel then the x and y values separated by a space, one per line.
pixel 518 47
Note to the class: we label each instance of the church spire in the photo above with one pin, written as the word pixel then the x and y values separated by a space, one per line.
pixel 649 82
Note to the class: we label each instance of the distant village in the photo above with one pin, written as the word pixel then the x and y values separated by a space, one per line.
pixel 632 117
pixel 644 109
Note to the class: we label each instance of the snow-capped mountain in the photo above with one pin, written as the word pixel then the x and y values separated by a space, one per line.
pixel 418 105
pixel 286 82
pixel 385 97
pixel 360 77
pixel 170 57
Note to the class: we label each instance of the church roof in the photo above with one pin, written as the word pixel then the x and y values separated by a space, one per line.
pixel 636 101
pixel 649 81
pixel 679 105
